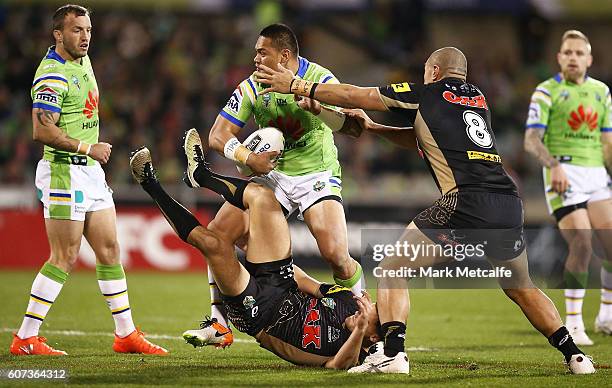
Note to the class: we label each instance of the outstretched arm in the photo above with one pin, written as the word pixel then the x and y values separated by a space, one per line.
pixel 343 95
pixel 400 136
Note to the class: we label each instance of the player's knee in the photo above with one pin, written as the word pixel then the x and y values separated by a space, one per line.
pixel 259 195
pixel 64 259
pixel 210 243
pixel 108 253
pixel 334 253
pixel 581 244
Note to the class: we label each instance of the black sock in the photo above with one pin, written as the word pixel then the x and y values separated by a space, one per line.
pixel 393 333
pixel 563 341
pixel 181 219
pixel 230 188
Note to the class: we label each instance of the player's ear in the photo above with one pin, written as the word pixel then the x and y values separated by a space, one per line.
pixel 589 60
pixel 57 34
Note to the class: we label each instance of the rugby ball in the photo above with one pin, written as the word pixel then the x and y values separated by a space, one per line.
pixel 262 140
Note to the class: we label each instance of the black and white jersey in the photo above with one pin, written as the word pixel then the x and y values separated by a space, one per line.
pixel 452 123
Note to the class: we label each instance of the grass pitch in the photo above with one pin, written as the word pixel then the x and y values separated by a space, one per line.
pixel 455 338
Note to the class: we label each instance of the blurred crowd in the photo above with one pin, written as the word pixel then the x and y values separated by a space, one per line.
pixel 161 73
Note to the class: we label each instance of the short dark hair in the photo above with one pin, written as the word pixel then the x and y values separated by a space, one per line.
pixel 61 12
pixel 282 37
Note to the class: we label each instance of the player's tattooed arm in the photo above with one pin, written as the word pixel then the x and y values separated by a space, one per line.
pixel 47 132
pixel 534 145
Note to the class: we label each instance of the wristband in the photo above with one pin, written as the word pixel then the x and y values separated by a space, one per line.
pixel 312 90
pixel 83 148
pixel 242 154
pixel 301 87
pixel 230 148
pixel 235 151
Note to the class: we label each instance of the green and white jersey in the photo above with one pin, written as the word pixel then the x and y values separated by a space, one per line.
pixel 573 117
pixel 68 88
pixel 309 143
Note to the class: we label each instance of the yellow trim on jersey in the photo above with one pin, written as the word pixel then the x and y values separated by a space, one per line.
pixel 52 83
pixel 400 88
pixel 484 156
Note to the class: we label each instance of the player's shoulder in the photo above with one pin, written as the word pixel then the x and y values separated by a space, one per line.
pixel 250 88
pixel 549 85
pixel 312 71
pixel 51 73
pixel 597 84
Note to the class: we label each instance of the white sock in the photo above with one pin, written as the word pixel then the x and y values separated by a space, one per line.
pixel 116 294
pixel 43 293
pixel 605 307
pixel 573 309
pixel 216 306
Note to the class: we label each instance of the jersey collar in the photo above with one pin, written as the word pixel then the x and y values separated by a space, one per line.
pixel 559 78
pixel 303 66
pixel 52 54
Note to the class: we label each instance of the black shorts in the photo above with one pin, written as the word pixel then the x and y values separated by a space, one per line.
pixel 252 310
pixel 494 219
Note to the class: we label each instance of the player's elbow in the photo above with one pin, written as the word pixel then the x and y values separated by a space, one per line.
pixel 38 134
pixel 214 141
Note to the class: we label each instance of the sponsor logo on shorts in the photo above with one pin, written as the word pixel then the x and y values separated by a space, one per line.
pixel 248 302
pixel 484 156
pixel 318 186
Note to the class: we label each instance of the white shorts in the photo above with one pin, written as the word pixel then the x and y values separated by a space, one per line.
pixel 68 191
pixel 586 184
pixel 302 191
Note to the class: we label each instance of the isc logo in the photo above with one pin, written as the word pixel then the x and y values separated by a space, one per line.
pixel 254 143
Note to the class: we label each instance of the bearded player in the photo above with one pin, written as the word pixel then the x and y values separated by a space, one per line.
pixel 569 131
pixel 71 185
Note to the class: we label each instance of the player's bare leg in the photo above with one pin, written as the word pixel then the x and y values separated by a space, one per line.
pixel 600 214
pixel 64 238
pixel 327 223
pixel 230 224
pixel 393 305
pixel 541 312
pixel 576 230
pixel 266 217
pixel 101 233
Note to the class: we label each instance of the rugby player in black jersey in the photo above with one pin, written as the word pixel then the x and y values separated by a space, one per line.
pixel 289 313
pixel 452 123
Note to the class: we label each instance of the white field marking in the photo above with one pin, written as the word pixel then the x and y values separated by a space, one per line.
pixel 78 333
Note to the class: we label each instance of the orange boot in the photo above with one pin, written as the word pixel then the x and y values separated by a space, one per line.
pixel 136 343
pixel 34 345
